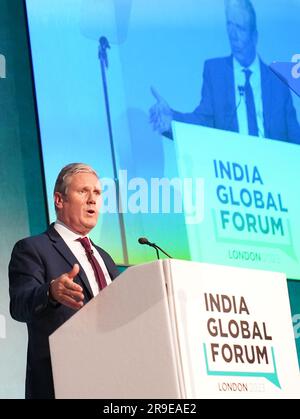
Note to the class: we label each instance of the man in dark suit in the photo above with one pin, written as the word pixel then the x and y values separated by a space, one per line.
pixel 259 104
pixel 50 275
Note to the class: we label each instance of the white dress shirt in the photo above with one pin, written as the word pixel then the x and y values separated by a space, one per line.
pixel 240 100
pixel 70 238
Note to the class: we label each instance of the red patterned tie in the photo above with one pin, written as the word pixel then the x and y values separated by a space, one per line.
pixel 95 264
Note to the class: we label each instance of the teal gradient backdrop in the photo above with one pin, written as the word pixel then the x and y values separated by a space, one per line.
pixel 294 293
pixel 22 204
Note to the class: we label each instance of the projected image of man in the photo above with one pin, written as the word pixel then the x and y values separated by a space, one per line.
pixel 239 92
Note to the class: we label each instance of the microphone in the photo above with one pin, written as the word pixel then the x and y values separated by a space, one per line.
pixel 102 50
pixel 241 90
pixel 144 240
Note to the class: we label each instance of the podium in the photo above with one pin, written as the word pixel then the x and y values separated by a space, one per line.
pixel 178 329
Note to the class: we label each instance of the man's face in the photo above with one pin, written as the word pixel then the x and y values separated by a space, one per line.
pixel 242 37
pixel 79 209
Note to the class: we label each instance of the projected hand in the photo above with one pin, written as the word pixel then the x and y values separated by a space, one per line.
pixel 65 291
pixel 160 114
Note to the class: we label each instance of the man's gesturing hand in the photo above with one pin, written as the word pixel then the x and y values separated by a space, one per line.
pixel 160 114
pixel 65 291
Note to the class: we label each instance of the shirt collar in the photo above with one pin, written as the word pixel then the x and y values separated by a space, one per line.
pixel 66 233
pixel 254 67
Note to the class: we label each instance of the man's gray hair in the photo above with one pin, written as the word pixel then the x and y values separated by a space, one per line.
pixel 247 6
pixel 64 177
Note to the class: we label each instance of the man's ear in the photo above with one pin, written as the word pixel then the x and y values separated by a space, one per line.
pixel 58 200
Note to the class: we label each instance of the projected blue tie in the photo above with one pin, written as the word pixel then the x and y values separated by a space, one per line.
pixel 251 111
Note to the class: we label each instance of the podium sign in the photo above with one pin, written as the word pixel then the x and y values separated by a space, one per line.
pixel 250 207
pixel 234 331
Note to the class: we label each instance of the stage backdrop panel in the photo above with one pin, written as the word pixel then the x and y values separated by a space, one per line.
pixel 250 191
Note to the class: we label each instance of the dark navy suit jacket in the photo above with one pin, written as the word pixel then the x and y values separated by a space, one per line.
pixel 217 108
pixel 35 261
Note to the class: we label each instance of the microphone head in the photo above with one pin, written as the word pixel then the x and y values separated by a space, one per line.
pixel 143 240
pixel 103 42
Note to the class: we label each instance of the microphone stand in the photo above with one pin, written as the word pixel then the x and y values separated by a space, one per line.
pixel 144 240
pixel 157 252
pixel 157 247
pixel 102 55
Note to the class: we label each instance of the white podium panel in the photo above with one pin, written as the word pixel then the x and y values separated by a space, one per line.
pixel 121 344
pixel 234 331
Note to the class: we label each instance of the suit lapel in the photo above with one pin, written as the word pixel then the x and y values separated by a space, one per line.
pixel 266 96
pixel 230 94
pixel 65 252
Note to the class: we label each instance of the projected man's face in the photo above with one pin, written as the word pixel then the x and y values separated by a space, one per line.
pixel 242 35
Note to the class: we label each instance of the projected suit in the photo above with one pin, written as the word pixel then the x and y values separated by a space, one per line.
pixel 217 108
